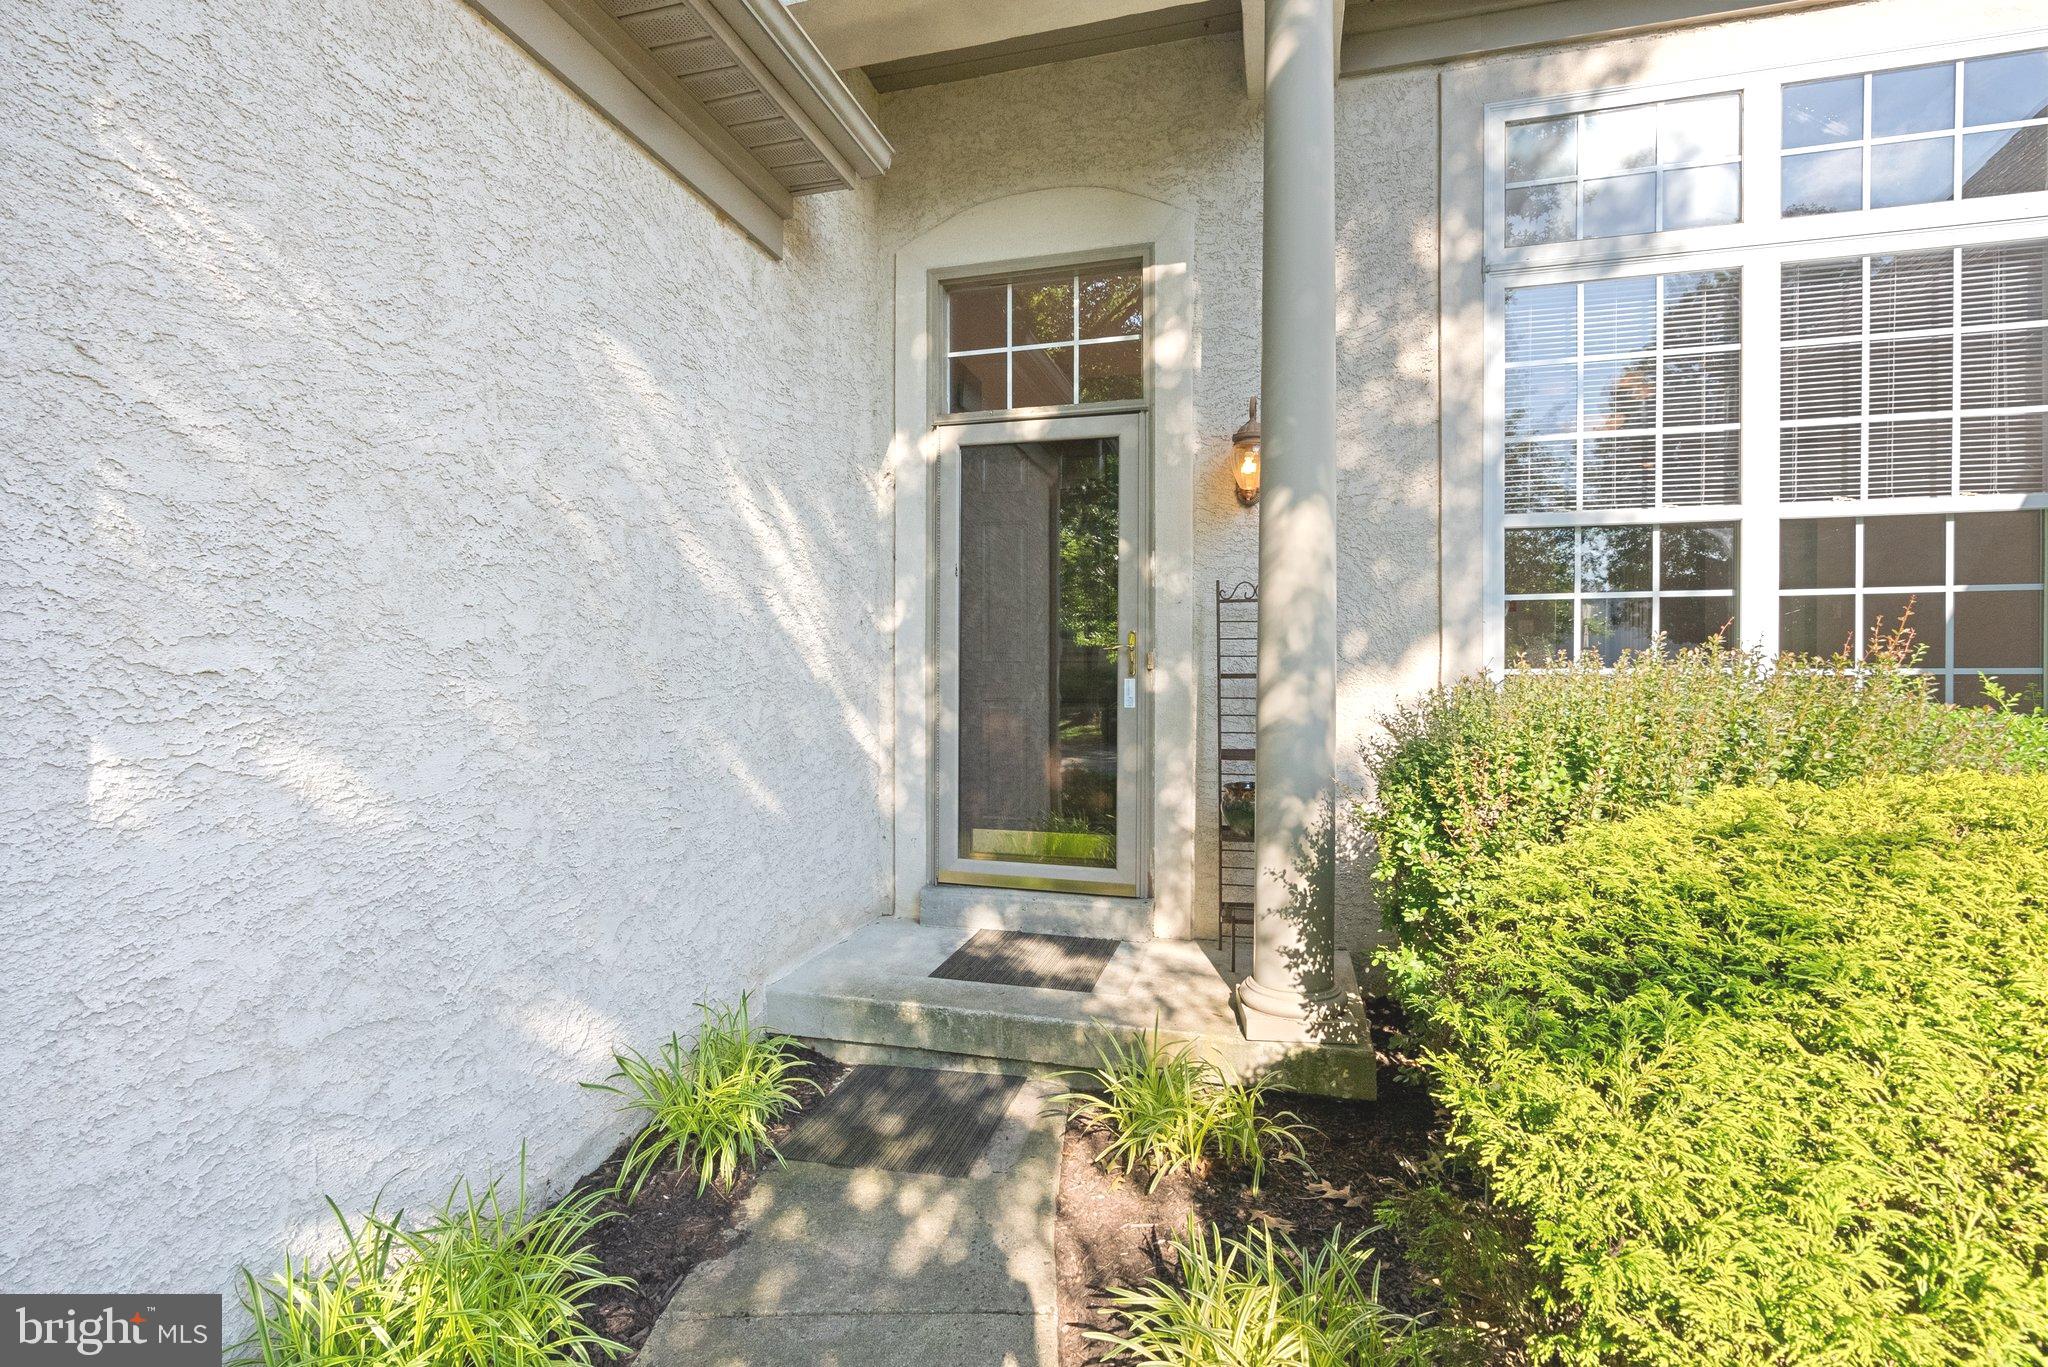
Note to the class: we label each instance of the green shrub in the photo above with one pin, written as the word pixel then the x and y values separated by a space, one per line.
pixel 480 1284
pixel 1168 1111
pixel 1261 1301
pixel 1481 769
pixel 1760 1080
pixel 710 1104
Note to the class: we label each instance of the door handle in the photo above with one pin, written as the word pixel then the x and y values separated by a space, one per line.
pixel 1131 654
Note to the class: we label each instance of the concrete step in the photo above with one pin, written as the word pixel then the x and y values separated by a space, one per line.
pixel 1048 913
pixel 871 998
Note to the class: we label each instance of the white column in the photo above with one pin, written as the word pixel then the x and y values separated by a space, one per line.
pixel 1293 992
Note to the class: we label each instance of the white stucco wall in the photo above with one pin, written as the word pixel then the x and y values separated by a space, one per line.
pixel 442 582
pixel 1173 122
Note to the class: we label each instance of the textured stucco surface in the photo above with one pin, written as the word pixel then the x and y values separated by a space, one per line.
pixel 1173 122
pixel 442 581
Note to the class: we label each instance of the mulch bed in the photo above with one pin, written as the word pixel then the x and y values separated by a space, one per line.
pixel 1111 1233
pixel 668 1229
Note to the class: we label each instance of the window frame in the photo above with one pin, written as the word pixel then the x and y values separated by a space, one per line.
pixel 1139 258
pixel 1759 246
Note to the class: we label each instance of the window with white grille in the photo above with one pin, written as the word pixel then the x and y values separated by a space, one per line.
pixel 1920 134
pixel 1792 429
pixel 1914 374
pixel 1624 393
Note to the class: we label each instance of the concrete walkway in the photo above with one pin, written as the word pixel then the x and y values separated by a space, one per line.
pixel 862 1267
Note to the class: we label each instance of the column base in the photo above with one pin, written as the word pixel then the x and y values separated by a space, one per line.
pixel 1335 1017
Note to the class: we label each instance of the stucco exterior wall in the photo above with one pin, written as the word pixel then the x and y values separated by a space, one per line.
pixel 1174 123
pixel 442 581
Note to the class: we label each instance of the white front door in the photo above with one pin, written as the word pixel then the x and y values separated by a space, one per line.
pixel 1044 653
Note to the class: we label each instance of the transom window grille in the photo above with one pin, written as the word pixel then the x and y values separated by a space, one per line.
pixel 1616 172
pixel 1917 135
pixel 1624 393
pixel 1605 590
pixel 1046 339
pixel 1964 592
pixel 1915 374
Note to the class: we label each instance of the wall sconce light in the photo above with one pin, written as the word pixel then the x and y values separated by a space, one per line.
pixel 1244 458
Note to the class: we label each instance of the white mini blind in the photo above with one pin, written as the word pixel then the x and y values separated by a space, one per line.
pixel 1915 374
pixel 1624 393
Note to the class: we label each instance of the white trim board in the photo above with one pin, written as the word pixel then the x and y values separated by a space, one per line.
pixel 596 57
pixel 1036 227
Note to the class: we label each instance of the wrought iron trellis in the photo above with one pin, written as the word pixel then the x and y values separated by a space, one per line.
pixel 1237 716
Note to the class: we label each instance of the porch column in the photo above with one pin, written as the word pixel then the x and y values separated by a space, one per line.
pixel 1293 987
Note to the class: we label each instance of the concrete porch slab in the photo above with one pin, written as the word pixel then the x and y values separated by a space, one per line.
pixel 869 998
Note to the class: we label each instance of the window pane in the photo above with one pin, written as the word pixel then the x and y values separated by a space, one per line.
pixel 1820 462
pixel 1911 459
pixel 1702 390
pixel 1614 559
pixel 975 317
pixel 1618 140
pixel 1542 476
pixel 1703 197
pixel 2004 284
pixel 1905 550
pixel 1112 370
pixel 1916 100
pixel 1542 213
pixel 1997 630
pixel 1539 631
pixel 1695 621
pixel 1543 322
pixel 1918 172
pixel 1822 299
pixel 1539 560
pixel 1542 399
pixel 1701 467
pixel 1543 149
pixel 1817 555
pixel 1998 548
pixel 1819 112
pixel 1708 129
pixel 1823 182
pixel 1699 557
pixel 1042 310
pixel 1614 625
pixel 2012 161
pixel 977 383
pixel 1818 626
pixel 1620 472
pixel 2004 369
pixel 2022 691
pixel 1912 291
pixel 1621 394
pixel 1621 315
pixel 1042 378
pixel 1912 374
pixel 1907 622
pixel 1620 205
pixel 1821 382
pixel 2005 89
pixel 1703 308
pixel 2005 455
pixel 1112 303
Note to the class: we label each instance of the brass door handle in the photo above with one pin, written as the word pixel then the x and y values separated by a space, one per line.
pixel 1131 654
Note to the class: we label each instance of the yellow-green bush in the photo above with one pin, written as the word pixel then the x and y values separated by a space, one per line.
pixel 1484 768
pixel 1762 1079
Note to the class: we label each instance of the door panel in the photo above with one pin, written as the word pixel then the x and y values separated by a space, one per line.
pixel 1041 653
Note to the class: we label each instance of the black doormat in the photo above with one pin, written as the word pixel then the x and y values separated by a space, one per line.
pixel 1008 958
pixel 903 1119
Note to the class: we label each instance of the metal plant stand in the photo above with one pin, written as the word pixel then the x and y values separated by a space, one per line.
pixel 1237 723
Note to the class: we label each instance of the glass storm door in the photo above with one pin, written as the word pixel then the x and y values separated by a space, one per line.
pixel 1042 655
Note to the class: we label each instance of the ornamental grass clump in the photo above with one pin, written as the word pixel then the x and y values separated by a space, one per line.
pixel 1484 768
pixel 1167 1111
pixel 1757 1080
pixel 709 1105
pixel 1262 1301
pixel 482 1283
